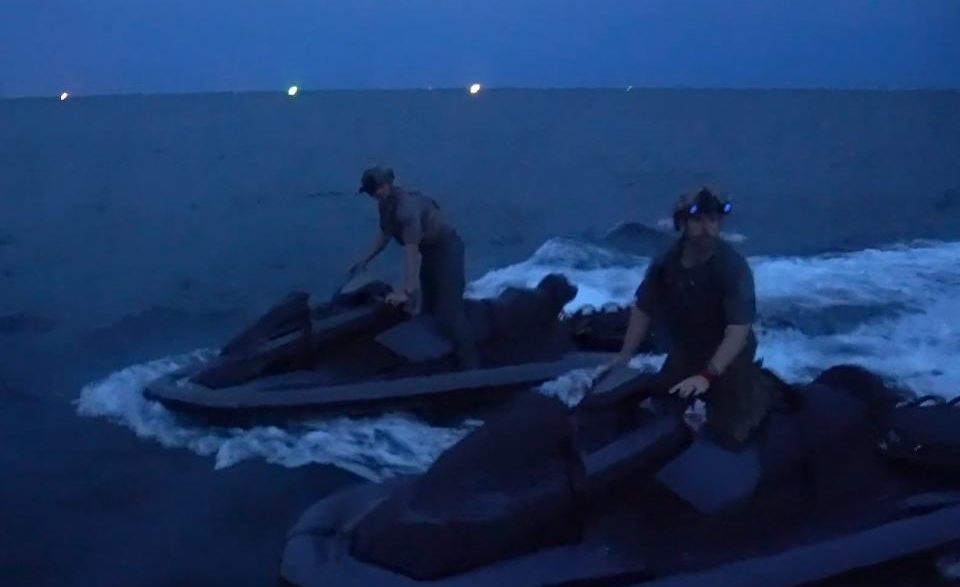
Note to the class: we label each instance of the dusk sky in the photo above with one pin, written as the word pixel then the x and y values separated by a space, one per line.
pixel 124 46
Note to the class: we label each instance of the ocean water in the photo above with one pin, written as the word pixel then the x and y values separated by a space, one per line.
pixel 137 233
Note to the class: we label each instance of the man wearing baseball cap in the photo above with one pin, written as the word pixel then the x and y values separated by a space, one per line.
pixel 433 257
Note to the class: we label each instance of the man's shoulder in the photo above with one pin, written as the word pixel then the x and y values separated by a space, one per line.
pixel 730 259
pixel 415 197
pixel 408 202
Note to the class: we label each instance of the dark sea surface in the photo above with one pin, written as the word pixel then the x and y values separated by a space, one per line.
pixel 137 230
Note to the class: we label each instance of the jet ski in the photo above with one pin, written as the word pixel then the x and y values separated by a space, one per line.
pixel 356 354
pixel 625 490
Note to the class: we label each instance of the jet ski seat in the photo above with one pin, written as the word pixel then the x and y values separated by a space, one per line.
pixel 512 487
pixel 513 315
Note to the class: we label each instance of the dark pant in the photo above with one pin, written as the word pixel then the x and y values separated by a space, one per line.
pixel 737 403
pixel 442 282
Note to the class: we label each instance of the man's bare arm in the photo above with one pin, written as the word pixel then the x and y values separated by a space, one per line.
pixel 378 245
pixel 734 339
pixel 636 333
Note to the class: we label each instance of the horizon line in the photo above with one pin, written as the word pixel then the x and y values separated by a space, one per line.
pixel 465 89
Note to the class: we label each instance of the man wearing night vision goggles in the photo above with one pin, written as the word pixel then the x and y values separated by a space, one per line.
pixel 702 292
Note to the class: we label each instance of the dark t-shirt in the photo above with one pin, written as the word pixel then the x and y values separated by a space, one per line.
pixel 410 217
pixel 695 305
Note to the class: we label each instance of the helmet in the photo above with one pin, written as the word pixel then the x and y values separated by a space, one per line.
pixel 701 202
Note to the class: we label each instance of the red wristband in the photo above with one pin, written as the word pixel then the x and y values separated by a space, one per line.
pixel 709 375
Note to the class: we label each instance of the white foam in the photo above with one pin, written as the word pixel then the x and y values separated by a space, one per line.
pixel 600 274
pixel 918 349
pixel 917 346
pixel 374 448
pixel 572 387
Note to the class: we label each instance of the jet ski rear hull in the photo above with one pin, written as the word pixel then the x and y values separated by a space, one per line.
pixel 320 556
pixel 317 553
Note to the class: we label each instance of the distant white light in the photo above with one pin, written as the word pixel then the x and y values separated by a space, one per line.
pixel 64 96
pixel 629 88
pixel 293 91
pixel 475 89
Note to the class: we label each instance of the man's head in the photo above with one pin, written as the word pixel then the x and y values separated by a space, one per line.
pixel 699 214
pixel 376 182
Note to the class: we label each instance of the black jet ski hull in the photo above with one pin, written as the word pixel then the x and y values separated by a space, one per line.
pixel 815 562
pixel 297 394
pixel 317 552
pixel 356 355
pixel 640 525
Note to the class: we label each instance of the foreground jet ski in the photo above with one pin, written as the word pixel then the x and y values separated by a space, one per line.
pixel 614 494
pixel 356 354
